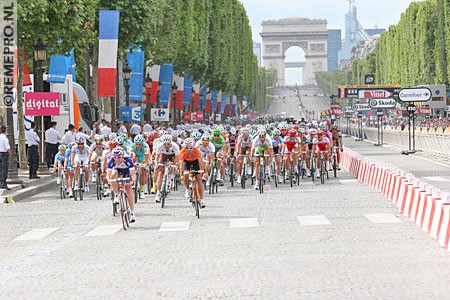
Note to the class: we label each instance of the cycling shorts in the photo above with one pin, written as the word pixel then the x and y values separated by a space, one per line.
pixel 192 165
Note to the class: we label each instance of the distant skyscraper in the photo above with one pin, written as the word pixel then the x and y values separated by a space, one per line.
pixel 257 51
pixel 334 46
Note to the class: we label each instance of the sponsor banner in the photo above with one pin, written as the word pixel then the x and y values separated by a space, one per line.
pixel 199 115
pixel 368 91
pixel 372 94
pixel 361 107
pixel 130 113
pixel 42 104
pixel 159 114
pixel 424 111
pixel 382 103
pixel 415 95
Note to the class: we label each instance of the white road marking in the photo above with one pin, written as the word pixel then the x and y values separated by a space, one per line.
pixel 36 234
pixel 436 179
pixel 313 220
pixel 348 181
pixel 175 226
pixel 382 218
pixel 104 230
pixel 244 223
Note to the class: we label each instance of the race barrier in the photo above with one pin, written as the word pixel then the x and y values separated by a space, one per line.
pixel 425 205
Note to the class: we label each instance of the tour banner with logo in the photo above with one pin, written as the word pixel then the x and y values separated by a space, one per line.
pixel 42 104
pixel 136 63
pixel 165 77
pixel 107 52
pixel 60 66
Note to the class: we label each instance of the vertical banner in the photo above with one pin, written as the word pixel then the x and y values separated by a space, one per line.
pixel 196 88
pixel 244 104
pixel 8 46
pixel 219 102
pixel 224 103
pixel 214 101
pixel 234 106
pixel 107 52
pixel 165 77
pixel 60 66
pixel 136 63
pixel 153 72
pixel 179 81
pixel 203 97
pixel 188 80
pixel 208 105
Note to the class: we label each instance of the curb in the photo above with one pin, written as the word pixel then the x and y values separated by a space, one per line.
pixel 27 192
pixel 422 203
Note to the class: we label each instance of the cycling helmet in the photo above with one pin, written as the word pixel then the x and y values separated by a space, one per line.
pixel 302 130
pixel 62 147
pixel 292 132
pixel 80 140
pixel 112 144
pixel 118 151
pixel 155 134
pixel 139 138
pixel 252 132
pixel 189 142
pixel 174 133
pixel 206 136
pixel 124 135
pixel 276 132
pixel 233 131
pixel 106 137
pixel 162 133
pixel 295 127
pixel 334 126
pixel 312 131
pixel 216 131
pixel 262 133
pixel 245 130
pixel 98 138
pixel 166 139
pixel 267 127
pixel 113 136
pixel 320 133
pixel 324 127
pixel 196 135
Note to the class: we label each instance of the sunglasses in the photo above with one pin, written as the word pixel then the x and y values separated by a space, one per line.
pixel 217 135
pixel 189 147
pixel 138 144
pixel 79 144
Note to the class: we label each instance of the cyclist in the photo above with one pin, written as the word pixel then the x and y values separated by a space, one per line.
pixel 277 141
pixel 260 145
pixel 320 143
pixel 68 167
pixel 120 164
pixel 95 155
pixel 58 165
pixel 231 146
pixel 291 143
pixel 79 159
pixel 191 160
pixel 220 144
pixel 309 145
pixel 243 147
pixel 207 149
pixel 337 142
pixel 166 150
pixel 141 154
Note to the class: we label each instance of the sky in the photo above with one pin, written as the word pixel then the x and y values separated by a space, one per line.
pixel 370 14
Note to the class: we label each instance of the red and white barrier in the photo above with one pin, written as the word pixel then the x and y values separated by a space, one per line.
pixel 426 206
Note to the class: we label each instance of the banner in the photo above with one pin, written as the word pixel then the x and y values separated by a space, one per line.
pixel 107 52
pixel 179 81
pixel 165 77
pixel 60 66
pixel 160 114
pixel 136 63
pixel 223 103
pixel 199 115
pixel 188 80
pixel 208 105
pixel 153 72
pixel 130 113
pixel 42 104
pixel 214 101
pixel 196 97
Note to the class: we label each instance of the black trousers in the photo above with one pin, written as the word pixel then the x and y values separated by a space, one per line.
pixel 33 160
pixel 4 164
pixel 50 152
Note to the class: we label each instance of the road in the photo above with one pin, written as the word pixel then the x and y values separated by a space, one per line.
pixel 340 240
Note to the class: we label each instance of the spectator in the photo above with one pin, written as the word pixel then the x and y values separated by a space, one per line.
pixel 106 129
pixel 86 136
pixel 52 139
pixel 135 130
pixel 147 127
pixel 5 152
pixel 33 140
pixel 69 136
pixel 120 128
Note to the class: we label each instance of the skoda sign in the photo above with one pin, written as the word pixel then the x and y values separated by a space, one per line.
pixel 361 107
pixel 414 94
pixel 382 103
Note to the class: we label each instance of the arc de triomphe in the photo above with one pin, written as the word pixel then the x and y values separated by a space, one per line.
pixel 310 35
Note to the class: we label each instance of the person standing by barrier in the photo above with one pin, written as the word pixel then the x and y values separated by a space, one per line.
pixel 52 139
pixel 5 152
pixel 33 141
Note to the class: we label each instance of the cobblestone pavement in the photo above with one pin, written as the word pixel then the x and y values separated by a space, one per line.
pixel 340 240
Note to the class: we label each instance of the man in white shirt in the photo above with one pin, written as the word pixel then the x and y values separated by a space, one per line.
pixel 5 152
pixel 106 129
pixel 135 130
pixel 33 140
pixel 147 127
pixel 69 136
pixel 52 139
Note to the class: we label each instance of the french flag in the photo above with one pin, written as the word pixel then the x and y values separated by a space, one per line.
pixel 196 88
pixel 233 105
pixel 107 52
pixel 208 106
pixel 219 102
pixel 227 106
pixel 179 81
pixel 153 72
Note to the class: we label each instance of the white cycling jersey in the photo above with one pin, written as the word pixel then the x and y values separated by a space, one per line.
pixel 173 150
pixel 206 151
pixel 81 155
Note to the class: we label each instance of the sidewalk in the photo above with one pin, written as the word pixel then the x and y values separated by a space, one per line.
pixel 30 187
pixel 432 171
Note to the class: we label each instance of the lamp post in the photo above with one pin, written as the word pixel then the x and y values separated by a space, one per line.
pixel 126 77
pixel 174 88
pixel 40 58
pixel 148 89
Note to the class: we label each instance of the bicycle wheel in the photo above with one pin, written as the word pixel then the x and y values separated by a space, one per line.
pixel 322 171
pixel 81 186
pixel 195 200
pixel 334 166
pixel 99 186
pixel 62 188
pixel 291 173
pixel 149 181
pixel 275 174
pixel 164 191
pixel 123 210
pixel 313 169
pixel 114 205
pixel 75 193
pixel 253 170
pixel 283 170
pixel 243 175
pixel 232 174
pixel 137 187
pixel 261 180
pixel 212 179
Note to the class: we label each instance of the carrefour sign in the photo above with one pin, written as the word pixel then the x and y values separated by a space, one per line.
pixel 382 103
pixel 414 94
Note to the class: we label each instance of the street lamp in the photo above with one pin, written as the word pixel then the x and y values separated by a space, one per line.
pixel 40 58
pixel 148 89
pixel 126 77
pixel 174 88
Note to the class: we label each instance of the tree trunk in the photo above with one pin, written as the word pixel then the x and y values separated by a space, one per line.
pixel 20 116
